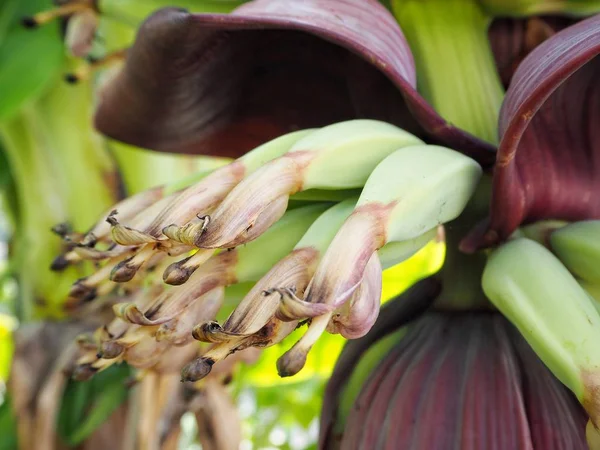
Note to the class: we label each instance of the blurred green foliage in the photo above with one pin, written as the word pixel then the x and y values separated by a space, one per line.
pixel 29 62
pixel 87 404
pixel 8 426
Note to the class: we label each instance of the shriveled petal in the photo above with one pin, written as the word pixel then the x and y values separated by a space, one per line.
pixel 198 199
pixel 125 270
pixel 355 318
pixel 180 272
pixel 93 254
pixel 178 331
pixel 342 267
pixel 257 309
pixel 124 235
pixel 128 210
pixel 294 308
pixel 272 333
pixel 352 320
pixel 217 272
pixel 323 67
pixel 260 198
pixel 548 163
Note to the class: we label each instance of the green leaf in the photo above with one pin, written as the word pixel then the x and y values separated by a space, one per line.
pixel 87 404
pixel 8 426
pixel 5 175
pixel 29 59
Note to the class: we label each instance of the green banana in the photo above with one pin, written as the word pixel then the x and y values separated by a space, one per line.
pixel 204 195
pixel 578 247
pixel 146 229
pixel 338 156
pixel 411 191
pixel 556 316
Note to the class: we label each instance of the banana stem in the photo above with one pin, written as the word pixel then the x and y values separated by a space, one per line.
pixel 461 273
pixel 456 72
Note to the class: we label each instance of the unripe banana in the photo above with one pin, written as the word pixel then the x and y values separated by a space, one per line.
pixel 339 156
pixel 531 287
pixel 201 197
pixel 412 191
pixel 578 247
pixel 186 212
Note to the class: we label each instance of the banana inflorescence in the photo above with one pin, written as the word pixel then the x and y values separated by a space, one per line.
pixel 165 256
pixel 373 195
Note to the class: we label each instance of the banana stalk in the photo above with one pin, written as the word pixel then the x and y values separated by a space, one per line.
pixel 452 36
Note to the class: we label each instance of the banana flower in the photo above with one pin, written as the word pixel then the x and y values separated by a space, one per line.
pixel 224 84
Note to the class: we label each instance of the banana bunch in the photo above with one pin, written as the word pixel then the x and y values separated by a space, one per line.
pixel 272 217
pixel 556 316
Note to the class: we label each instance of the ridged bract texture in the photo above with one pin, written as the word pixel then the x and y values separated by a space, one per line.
pixel 222 84
pixel 513 39
pixel 548 162
pixel 463 381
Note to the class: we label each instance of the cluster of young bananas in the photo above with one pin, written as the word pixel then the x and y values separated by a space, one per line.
pixel 549 291
pixel 272 217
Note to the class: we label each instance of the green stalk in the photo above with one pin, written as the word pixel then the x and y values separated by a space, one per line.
pixel 456 72
pixel 461 274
